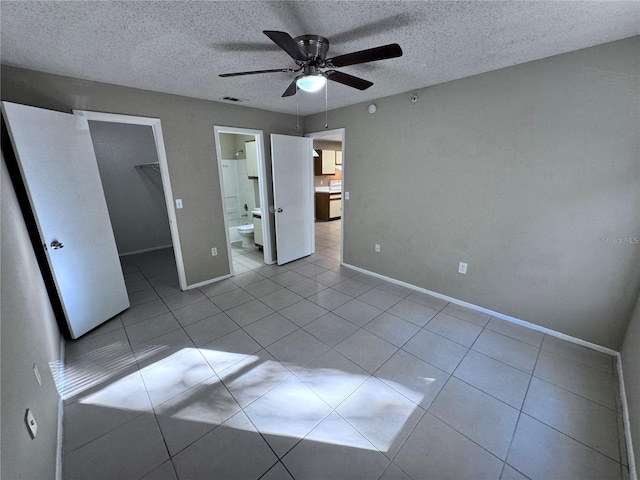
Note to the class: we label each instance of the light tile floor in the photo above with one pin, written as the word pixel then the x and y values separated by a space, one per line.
pixel 314 371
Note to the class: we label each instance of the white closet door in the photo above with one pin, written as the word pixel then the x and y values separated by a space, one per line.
pixel 58 165
pixel 292 162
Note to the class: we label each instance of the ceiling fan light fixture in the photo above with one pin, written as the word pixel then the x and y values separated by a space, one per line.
pixel 311 83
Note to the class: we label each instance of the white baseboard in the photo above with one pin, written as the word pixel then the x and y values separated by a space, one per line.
pixel 59 382
pixel 145 250
pixel 207 282
pixel 499 315
pixel 548 331
pixel 633 473
pixel 533 326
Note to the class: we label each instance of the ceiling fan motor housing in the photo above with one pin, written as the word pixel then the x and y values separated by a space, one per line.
pixel 316 48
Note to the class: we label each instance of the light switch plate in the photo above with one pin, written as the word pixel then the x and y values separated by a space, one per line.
pixel 346 195
pixel 462 268
pixel 178 203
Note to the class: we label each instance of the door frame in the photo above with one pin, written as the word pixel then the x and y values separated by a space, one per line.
pixel 268 247
pixel 319 135
pixel 156 127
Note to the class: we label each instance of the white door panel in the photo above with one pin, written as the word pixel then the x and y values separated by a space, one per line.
pixel 292 162
pixel 59 168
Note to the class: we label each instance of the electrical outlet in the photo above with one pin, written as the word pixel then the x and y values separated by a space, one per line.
pixel 32 425
pixel 462 268
pixel 178 203
pixel 36 372
pixel 214 251
pixel 377 248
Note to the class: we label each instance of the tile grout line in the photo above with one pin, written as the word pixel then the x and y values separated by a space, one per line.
pixel 397 348
pixel 520 412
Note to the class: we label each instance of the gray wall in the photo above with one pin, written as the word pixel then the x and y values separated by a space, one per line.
pixel 520 173
pixel 231 143
pixel 29 335
pixel 187 125
pixel 135 197
pixel 630 353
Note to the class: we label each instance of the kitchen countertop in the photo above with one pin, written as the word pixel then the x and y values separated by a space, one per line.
pixel 328 190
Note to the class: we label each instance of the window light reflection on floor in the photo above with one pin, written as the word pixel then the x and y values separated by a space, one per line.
pixel 183 387
pixel 96 367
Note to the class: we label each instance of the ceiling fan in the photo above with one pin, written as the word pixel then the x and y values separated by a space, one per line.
pixel 310 52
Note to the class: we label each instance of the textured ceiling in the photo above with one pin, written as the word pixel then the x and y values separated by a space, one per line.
pixel 181 47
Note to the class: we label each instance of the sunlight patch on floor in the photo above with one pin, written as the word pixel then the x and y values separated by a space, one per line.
pixel 96 367
pixel 278 402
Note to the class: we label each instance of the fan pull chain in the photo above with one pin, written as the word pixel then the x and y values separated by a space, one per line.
pixel 326 106
pixel 297 110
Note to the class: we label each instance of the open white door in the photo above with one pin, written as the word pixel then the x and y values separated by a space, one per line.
pixel 292 163
pixel 59 168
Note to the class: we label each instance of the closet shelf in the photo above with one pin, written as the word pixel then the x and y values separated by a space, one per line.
pixel 153 166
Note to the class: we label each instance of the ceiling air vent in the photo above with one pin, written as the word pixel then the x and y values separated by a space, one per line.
pixel 234 99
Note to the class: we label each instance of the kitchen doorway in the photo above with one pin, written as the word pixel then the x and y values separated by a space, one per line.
pixel 329 153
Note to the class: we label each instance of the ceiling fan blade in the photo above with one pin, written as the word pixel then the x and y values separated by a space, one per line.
pixel 349 80
pixel 255 72
pixel 292 89
pixel 392 50
pixel 288 44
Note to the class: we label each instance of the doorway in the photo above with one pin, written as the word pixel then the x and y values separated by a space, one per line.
pixel 329 189
pixel 147 178
pixel 243 184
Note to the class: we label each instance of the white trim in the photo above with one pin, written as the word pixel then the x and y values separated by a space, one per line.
pixel 517 321
pixel 145 250
pixel 60 385
pixel 633 473
pixel 336 131
pixel 216 133
pixel 623 395
pixel 156 126
pixel 263 186
pixel 207 282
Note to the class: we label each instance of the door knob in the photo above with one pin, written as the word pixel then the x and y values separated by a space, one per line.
pixel 279 210
pixel 56 245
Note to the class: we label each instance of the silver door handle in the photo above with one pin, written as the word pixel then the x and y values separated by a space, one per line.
pixel 56 245
pixel 279 210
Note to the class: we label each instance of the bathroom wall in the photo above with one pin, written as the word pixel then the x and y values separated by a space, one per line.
pixel 29 335
pixel 230 144
pixel 187 125
pixel 239 189
pixel 134 194
pixel 530 174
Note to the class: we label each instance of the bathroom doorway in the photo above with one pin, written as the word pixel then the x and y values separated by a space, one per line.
pixel 243 180
pixel 328 185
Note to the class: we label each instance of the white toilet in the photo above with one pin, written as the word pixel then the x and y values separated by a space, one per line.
pixel 246 232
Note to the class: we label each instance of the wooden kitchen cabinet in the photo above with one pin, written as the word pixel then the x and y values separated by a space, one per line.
pixel 328 206
pixel 325 163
